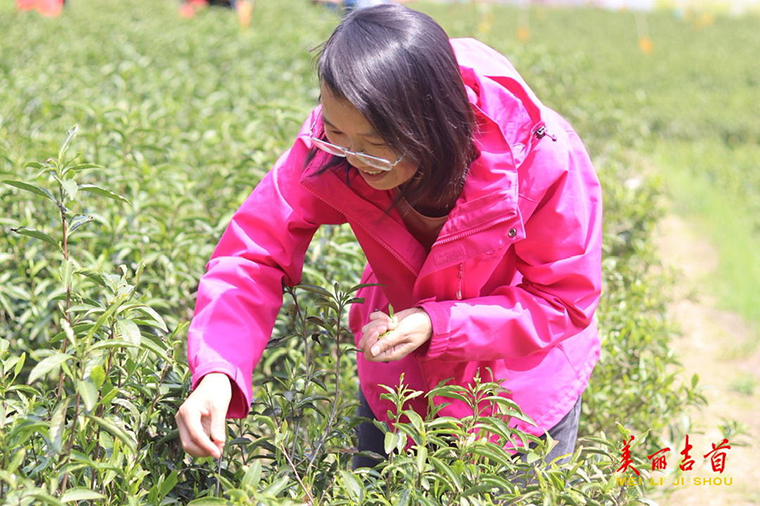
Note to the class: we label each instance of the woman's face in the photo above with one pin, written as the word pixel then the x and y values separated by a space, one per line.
pixel 346 127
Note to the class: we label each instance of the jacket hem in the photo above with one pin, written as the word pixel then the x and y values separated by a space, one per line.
pixel 547 420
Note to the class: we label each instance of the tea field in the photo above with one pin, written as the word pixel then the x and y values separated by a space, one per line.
pixel 129 136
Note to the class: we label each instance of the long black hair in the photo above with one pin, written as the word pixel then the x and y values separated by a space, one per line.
pixel 396 66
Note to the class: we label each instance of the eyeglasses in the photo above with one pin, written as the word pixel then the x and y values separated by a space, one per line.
pixel 373 161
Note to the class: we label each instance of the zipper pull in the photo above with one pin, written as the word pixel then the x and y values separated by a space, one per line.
pixel 541 132
pixel 459 285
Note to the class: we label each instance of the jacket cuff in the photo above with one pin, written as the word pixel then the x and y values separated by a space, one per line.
pixel 438 343
pixel 240 402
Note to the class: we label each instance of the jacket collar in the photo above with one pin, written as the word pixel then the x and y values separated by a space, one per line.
pixel 507 115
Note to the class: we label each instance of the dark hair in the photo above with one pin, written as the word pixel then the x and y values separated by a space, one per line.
pixel 396 66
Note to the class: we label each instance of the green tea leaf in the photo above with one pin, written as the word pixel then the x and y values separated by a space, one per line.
pixel 70 187
pixel 154 315
pixel 277 486
pixel 362 285
pixel 81 494
pixel 19 364
pixel 78 221
pixel 129 331
pixel 46 498
pixel 314 289
pixel 84 166
pixel 422 455
pixel 115 431
pixel 448 471
pixel 31 188
pixel 102 192
pixel 57 423
pixel 69 332
pixel 89 394
pixel 67 271
pixel 48 365
pixel 352 485
pixel 30 232
pixel 98 375
pixel 113 343
pixel 18 458
pixel 252 475
pixel 69 137
pixel 208 501
pixel 391 439
pixel 167 485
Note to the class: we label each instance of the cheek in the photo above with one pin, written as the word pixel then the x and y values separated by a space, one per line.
pixel 405 172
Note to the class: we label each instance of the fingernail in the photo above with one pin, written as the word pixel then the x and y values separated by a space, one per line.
pixel 375 350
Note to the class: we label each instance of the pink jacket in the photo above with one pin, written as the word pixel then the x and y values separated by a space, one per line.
pixel 511 284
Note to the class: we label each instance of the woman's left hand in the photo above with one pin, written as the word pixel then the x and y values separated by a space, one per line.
pixel 412 328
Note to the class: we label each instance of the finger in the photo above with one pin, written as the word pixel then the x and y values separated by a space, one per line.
pixel 194 450
pixel 386 335
pixel 378 315
pixel 218 426
pixel 188 445
pixel 198 436
pixel 391 353
pixel 371 332
pixel 396 352
pixel 371 328
pixel 384 342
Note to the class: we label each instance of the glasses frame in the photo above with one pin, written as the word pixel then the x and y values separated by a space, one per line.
pixel 335 150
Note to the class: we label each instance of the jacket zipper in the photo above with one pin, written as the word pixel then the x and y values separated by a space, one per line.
pixel 539 133
pixel 461 278
pixel 474 230
pixel 369 232
pixel 542 132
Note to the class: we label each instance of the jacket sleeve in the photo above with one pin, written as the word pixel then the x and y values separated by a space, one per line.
pixel 240 294
pixel 560 263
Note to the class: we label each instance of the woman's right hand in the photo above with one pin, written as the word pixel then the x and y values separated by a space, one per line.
pixel 202 417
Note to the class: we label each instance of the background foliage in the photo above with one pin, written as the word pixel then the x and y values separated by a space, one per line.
pixel 106 231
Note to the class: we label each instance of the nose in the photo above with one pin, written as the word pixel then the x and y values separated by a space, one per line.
pixel 356 162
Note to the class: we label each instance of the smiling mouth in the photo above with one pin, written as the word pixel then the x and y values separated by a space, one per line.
pixel 372 173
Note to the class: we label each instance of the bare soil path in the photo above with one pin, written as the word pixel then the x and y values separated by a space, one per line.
pixel 717 345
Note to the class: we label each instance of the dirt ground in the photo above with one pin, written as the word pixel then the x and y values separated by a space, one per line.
pixel 719 346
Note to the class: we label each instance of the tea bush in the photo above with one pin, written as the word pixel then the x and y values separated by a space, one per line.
pixel 106 233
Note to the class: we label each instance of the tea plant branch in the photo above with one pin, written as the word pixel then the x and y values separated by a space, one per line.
pixel 306 489
pixel 101 409
pixel 336 395
pixel 67 281
pixel 218 488
pixel 70 443
pixel 151 409
pixel 307 354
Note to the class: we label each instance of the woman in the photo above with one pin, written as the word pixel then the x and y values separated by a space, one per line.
pixel 478 210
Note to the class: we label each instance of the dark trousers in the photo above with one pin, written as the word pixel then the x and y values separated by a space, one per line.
pixel 565 432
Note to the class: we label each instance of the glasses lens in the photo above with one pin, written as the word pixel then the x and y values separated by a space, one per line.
pixel 372 161
pixel 375 163
pixel 327 147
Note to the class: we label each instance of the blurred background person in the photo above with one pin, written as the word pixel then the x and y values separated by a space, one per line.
pixel 49 8
pixel 348 6
pixel 244 8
